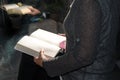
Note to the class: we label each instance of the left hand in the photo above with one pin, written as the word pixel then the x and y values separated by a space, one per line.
pixel 39 60
pixel 34 11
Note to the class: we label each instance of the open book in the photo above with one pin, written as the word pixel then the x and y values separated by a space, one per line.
pixel 40 39
pixel 16 9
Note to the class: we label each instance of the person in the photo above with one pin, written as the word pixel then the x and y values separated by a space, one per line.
pixel 28 70
pixel 18 26
pixel 91 29
pixel 11 29
pixel 118 51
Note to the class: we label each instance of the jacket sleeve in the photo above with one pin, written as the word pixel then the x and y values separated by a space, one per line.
pixel 86 17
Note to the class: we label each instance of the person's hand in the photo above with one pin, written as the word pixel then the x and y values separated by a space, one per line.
pixel 42 57
pixel 62 45
pixel 34 11
pixel 38 60
pixel 61 34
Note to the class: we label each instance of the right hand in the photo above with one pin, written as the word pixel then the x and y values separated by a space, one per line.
pixel 34 11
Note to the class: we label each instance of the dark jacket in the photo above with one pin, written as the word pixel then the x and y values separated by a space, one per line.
pixel 91 29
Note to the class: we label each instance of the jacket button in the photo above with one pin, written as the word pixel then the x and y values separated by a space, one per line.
pixel 78 40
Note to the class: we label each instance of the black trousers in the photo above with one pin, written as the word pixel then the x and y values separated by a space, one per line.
pixel 28 70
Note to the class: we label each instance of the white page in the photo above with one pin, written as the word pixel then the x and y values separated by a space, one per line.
pixel 10 6
pixel 48 36
pixel 36 45
pixel 19 10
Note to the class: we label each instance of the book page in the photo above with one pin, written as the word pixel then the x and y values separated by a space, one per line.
pixel 25 9
pixel 15 9
pixel 32 46
pixel 19 10
pixel 10 6
pixel 48 36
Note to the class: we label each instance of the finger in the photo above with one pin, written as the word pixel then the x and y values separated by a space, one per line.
pixel 38 61
pixel 42 54
pixel 61 34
